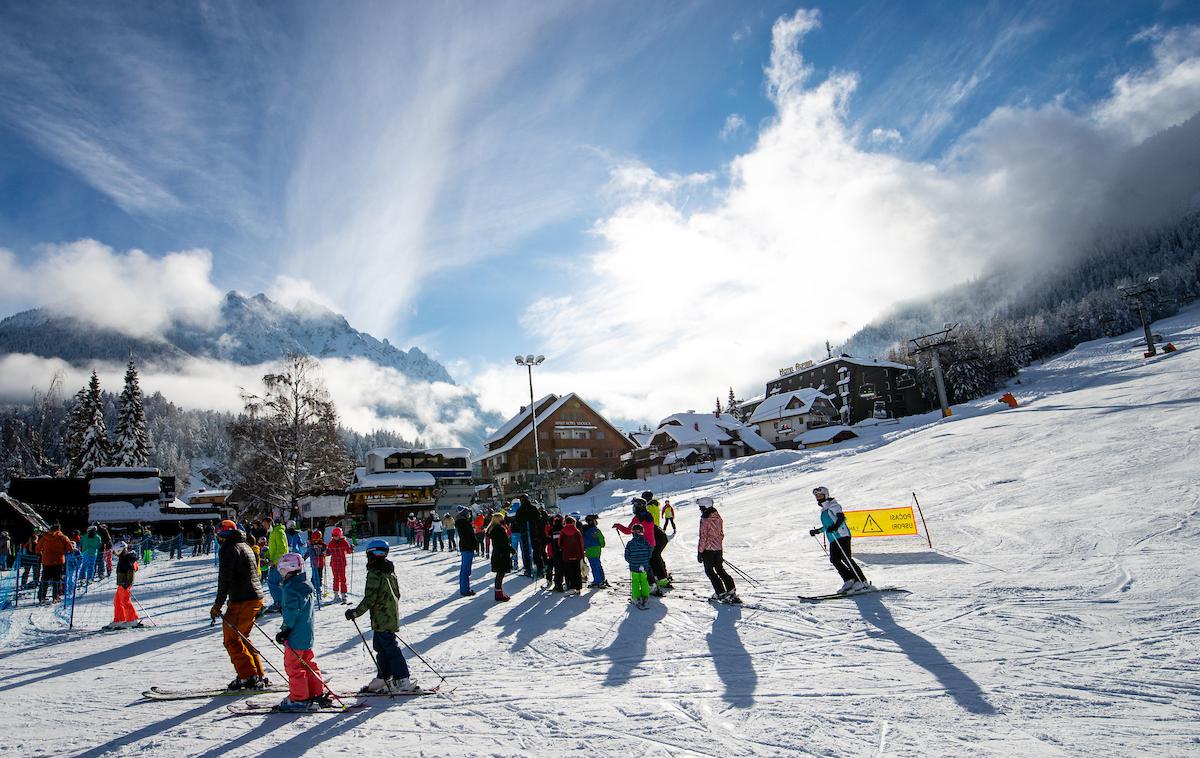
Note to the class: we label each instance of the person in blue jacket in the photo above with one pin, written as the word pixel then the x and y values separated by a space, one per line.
pixel 295 540
pixel 637 555
pixel 833 524
pixel 306 687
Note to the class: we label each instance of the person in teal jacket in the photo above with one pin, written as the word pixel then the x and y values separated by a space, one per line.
pixel 593 543
pixel 277 545
pixel 306 687
pixel 90 546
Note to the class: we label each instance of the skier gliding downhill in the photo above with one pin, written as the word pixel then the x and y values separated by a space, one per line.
pixel 833 523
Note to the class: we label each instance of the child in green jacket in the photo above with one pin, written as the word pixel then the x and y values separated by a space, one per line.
pixel 381 597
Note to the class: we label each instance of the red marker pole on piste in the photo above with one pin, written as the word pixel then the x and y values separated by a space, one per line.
pixel 923 525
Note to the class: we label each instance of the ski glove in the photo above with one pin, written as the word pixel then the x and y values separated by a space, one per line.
pixel 214 612
pixel 349 614
pixel 814 532
pixel 699 558
pixel 282 636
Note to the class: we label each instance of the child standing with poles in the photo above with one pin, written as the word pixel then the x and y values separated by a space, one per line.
pixel 306 687
pixel 381 596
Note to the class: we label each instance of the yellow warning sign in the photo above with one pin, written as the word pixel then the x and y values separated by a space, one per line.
pixel 882 522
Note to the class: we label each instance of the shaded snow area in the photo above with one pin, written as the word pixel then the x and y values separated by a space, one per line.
pixel 1056 614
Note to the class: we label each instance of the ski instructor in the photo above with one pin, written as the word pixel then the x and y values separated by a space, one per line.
pixel 833 524
pixel 237 581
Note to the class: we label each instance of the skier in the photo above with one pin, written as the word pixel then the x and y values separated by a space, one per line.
pixel 642 516
pixel 295 540
pixel 438 531
pixel 710 552
pixel 237 581
pixel 52 548
pixel 124 614
pixel 637 555
pixel 306 687
pixel 339 547
pixel 90 545
pixel 451 533
pixel 316 556
pixel 658 564
pixel 277 545
pixel 466 549
pixel 381 595
pixel 651 505
pixel 501 559
pixel 554 550
pixel 593 544
pixel 570 546
pixel 668 515
pixel 833 523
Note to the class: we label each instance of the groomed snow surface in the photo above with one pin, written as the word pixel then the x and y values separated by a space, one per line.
pixel 1057 614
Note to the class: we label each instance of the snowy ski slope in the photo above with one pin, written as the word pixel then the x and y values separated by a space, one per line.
pixel 1057 614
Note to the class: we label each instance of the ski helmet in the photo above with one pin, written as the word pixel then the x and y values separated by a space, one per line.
pixel 378 547
pixel 647 496
pixel 227 528
pixel 316 534
pixel 289 563
pixel 638 529
pixel 591 518
pixel 291 525
pixel 119 547
pixel 337 532
pixel 576 515
pixel 821 493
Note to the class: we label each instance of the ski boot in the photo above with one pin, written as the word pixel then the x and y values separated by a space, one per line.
pixel 287 705
pixel 402 686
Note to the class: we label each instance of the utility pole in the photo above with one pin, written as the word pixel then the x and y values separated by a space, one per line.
pixel 930 343
pixel 1138 293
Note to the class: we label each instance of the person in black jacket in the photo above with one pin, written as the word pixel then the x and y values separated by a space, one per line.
pixel 467 545
pixel 238 581
pixel 501 553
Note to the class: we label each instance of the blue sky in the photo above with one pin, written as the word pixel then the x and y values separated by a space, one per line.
pixel 487 179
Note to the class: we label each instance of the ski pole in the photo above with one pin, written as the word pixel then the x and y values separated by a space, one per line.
pixel 143 610
pixel 363 637
pixel 253 649
pixel 427 663
pixel 744 575
pixel 303 662
pixel 824 549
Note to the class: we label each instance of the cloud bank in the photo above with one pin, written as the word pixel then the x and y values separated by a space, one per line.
pixel 818 231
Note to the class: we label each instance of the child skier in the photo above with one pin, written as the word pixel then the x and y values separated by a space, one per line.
pixel 833 523
pixel 668 515
pixel 124 614
pixel 637 555
pixel 381 596
pixel 641 517
pixel 339 547
pixel 570 546
pixel 554 553
pixel 316 556
pixel 593 543
pixel 306 687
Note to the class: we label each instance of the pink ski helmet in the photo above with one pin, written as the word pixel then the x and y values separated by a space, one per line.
pixel 290 563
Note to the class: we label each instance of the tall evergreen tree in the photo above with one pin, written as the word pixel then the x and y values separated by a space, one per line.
pixel 94 445
pixel 717 413
pixel 733 407
pixel 76 426
pixel 130 447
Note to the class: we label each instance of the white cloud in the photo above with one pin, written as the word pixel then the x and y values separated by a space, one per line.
pixel 813 237
pixel 1165 94
pixel 367 396
pixel 734 124
pixel 131 292
pixel 300 294
pixel 886 137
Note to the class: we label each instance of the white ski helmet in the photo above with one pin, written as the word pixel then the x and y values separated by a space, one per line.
pixel 289 563
pixel 119 547
pixel 821 493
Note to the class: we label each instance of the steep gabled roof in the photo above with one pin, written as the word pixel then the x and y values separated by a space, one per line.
pixel 510 425
pixel 776 406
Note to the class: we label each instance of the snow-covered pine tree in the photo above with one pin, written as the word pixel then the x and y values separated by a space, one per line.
pixel 94 443
pixel 130 447
pixel 717 412
pixel 733 408
pixel 76 426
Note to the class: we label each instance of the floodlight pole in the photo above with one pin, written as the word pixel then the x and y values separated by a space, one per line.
pixel 529 362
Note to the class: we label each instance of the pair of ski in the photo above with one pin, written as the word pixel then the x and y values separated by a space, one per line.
pixel 260 707
pixel 845 595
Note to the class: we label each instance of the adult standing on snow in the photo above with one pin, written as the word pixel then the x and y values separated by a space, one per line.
pixel 237 582
pixel 711 552
pixel 466 549
pixel 53 548
pixel 833 523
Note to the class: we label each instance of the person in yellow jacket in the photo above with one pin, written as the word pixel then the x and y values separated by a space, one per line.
pixel 652 506
pixel 668 515
pixel 277 546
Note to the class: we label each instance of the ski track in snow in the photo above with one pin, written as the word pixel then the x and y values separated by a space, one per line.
pixel 1056 614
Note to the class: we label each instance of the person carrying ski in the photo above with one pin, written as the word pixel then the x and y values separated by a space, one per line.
pixel 710 550
pixel 593 544
pixel 339 548
pixel 833 524
pixel 637 555
pixel 570 547
pixel 306 686
pixel 237 582
pixel 501 553
pixel 668 515
pixel 381 596
pixel 466 549
pixel 124 614
pixel 277 545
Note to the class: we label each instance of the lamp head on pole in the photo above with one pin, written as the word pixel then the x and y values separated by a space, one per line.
pixel 520 361
pixel 539 359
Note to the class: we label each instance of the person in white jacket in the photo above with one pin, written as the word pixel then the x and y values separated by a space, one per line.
pixel 833 524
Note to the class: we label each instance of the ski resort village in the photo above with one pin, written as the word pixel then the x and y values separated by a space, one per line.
pixel 781 379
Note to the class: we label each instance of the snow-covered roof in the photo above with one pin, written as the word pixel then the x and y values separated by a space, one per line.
pixel 775 406
pixel 391 479
pixel 706 430
pixel 123 511
pixel 854 361
pixel 560 402
pixel 679 454
pixel 189 497
pixel 124 471
pixel 641 439
pixel 823 434
pixel 26 512
pixel 145 486
pixel 514 422
pixel 446 452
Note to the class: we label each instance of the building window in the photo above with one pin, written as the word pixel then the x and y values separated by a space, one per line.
pixel 599 434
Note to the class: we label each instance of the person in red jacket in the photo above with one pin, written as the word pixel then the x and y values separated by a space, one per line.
pixel 339 547
pixel 570 545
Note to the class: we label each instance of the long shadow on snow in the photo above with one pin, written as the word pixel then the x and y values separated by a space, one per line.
pixel 152 729
pixel 304 739
pixel 115 654
pixel 920 651
pixel 734 665
pixel 628 648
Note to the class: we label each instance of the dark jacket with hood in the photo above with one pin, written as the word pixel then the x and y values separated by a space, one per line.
pixel 238 575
